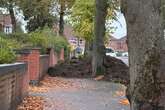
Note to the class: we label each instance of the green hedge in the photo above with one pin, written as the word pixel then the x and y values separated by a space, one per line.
pixel 42 39
pixel 7 54
pixel 48 39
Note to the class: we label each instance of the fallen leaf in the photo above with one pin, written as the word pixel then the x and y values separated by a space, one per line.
pixel 124 102
pixel 99 77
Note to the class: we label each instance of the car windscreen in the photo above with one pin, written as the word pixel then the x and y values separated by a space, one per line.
pixel 109 50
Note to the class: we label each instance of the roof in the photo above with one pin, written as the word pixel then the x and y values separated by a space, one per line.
pixel 112 38
pixel 123 38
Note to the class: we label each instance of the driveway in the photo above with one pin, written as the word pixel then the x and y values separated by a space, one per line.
pixel 81 94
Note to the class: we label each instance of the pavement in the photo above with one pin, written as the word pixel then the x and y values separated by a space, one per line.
pixel 82 94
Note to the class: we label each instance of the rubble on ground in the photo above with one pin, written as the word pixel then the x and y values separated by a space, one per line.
pixel 115 69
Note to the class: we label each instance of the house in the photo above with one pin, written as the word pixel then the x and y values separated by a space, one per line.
pixel 74 41
pixel 5 23
pixel 118 44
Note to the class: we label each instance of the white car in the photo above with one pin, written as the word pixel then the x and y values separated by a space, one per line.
pixel 110 52
pixel 125 54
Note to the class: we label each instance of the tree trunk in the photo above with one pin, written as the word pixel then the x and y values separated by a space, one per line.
pixel 146 57
pixel 88 49
pixel 13 20
pixel 163 13
pixel 98 45
pixel 61 22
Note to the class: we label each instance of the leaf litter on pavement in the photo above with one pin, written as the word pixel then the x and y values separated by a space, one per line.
pixel 48 83
pixel 32 103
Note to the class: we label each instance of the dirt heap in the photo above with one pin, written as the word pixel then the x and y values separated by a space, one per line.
pixel 115 69
pixel 73 68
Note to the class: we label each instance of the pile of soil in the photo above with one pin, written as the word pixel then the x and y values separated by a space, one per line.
pixel 73 68
pixel 115 69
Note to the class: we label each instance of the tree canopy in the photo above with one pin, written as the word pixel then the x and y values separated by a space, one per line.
pixel 82 17
pixel 37 12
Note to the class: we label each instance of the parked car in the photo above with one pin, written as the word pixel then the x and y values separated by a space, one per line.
pixel 125 54
pixel 110 52
pixel 119 54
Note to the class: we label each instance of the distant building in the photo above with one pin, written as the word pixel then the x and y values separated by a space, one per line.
pixel 74 41
pixel 5 24
pixel 118 44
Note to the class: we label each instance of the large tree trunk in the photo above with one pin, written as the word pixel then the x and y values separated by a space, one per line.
pixel 88 49
pixel 98 46
pixel 13 20
pixel 163 13
pixel 61 22
pixel 146 57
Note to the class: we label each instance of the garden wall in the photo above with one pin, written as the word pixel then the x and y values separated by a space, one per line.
pixel 43 65
pixel 15 78
pixel 12 89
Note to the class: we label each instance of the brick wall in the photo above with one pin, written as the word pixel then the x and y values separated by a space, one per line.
pixel 43 65
pixel 31 56
pixel 12 82
pixel 62 55
pixel 15 78
pixel 38 64
pixel 53 58
pixel 118 44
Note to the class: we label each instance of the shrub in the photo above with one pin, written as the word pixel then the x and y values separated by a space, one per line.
pixel 22 38
pixel 37 39
pixel 7 54
pixel 48 39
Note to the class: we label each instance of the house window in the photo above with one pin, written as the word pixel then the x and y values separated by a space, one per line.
pixel 7 29
pixel 81 41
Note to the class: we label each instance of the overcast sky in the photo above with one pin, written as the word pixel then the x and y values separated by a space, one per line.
pixel 121 30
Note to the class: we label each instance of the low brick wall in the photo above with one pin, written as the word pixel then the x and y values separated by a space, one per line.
pixel 12 88
pixel 15 78
pixel 43 65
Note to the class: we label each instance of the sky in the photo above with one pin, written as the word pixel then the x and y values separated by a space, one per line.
pixel 120 25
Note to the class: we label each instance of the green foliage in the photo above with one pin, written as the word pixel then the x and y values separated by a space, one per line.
pixel 37 12
pixel 48 39
pixel 21 38
pixel 37 39
pixel 64 5
pixel 7 54
pixel 82 17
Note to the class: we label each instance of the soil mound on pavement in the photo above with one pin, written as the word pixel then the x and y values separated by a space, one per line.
pixel 115 69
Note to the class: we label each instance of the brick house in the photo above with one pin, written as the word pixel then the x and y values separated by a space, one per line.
pixel 118 44
pixel 71 38
pixel 5 23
